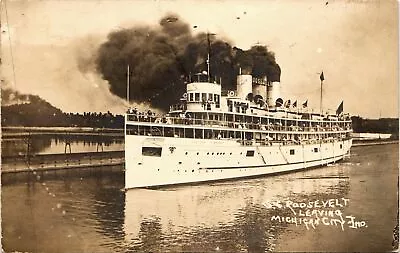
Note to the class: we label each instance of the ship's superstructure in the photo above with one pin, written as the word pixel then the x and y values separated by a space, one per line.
pixel 215 135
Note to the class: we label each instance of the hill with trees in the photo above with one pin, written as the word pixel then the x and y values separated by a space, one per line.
pixel 33 111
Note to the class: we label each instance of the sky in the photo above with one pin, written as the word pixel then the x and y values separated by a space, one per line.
pixel 355 44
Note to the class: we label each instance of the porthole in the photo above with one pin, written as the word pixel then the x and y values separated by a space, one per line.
pixel 186 153
pixel 192 170
pixel 197 153
pixel 180 162
pixel 198 162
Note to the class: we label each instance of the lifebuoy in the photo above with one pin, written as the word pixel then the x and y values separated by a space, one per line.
pixel 231 93
pixel 184 95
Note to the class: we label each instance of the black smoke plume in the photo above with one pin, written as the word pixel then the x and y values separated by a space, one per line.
pixel 162 60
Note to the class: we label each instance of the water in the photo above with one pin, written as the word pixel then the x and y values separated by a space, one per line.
pixel 56 143
pixel 88 212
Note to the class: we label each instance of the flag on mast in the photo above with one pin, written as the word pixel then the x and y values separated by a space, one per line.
pixel 339 109
pixel 305 104
pixel 295 104
pixel 321 77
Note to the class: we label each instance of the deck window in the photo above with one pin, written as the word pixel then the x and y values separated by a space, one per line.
pixel 292 151
pixel 198 133
pixel 151 151
pixel 197 97
pixel 315 149
pixel 250 153
pixel 204 97
pixel 189 133
pixel 168 132
pixel 131 130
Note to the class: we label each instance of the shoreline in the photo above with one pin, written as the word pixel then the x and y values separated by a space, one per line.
pixel 371 143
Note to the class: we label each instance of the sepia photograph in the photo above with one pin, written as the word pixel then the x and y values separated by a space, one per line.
pixel 199 126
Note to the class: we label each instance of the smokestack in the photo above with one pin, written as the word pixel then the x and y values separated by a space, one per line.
pixel 273 93
pixel 244 85
pixel 260 87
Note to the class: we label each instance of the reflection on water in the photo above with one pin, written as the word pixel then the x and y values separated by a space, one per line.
pixel 229 216
pixel 88 212
pixel 59 143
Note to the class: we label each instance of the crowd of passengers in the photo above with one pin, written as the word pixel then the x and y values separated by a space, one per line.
pixel 149 116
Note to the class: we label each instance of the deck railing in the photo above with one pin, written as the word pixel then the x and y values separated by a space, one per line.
pixel 302 127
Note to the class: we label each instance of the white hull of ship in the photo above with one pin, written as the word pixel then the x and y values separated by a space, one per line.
pixel 185 160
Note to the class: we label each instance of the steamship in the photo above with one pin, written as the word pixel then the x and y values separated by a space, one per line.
pixel 217 135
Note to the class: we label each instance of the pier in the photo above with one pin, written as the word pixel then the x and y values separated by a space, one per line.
pixel 374 142
pixel 62 161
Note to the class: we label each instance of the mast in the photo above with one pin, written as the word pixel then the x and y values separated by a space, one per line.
pixel 208 66
pixel 127 84
pixel 208 56
pixel 322 78
pixel 320 100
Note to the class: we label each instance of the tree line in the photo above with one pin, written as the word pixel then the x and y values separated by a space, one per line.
pixel 383 125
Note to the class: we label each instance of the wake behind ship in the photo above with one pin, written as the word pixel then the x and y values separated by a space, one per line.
pixel 214 135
